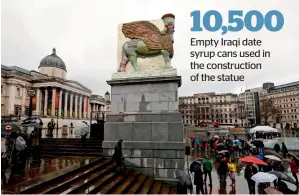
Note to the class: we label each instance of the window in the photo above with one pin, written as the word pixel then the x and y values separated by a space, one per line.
pixel 2 87
pixel 18 92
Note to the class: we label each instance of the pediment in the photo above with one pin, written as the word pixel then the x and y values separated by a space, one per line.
pixel 76 84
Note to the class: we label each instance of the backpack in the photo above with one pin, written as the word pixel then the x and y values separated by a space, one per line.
pixel 20 144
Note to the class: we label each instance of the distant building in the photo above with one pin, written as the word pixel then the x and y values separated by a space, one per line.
pixel 286 99
pixel 250 97
pixel 210 107
pixel 55 95
pixel 108 102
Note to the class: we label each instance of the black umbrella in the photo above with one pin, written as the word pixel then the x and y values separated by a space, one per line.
pixel 283 176
pixel 7 128
pixel 184 179
pixel 295 157
pixel 35 125
pixel 195 165
pixel 256 141
pixel 271 152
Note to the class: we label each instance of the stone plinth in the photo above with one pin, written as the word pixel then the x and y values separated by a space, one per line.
pixel 145 115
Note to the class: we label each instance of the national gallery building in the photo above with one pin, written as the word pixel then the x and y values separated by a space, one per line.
pixel 55 95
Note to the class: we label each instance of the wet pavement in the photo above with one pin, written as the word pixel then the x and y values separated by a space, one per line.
pixel 37 171
pixel 59 134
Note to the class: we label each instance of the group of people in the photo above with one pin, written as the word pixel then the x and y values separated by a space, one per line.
pixel 18 148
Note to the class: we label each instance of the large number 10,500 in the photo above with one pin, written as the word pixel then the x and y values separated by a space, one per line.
pixel 237 22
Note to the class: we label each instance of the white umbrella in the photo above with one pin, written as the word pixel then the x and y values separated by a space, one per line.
pixel 272 157
pixel 81 129
pixel 262 177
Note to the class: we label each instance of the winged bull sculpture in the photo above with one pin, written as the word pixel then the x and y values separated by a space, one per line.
pixel 147 40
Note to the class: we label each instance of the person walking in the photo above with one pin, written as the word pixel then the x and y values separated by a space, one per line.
pixel 284 150
pixel 198 181
pixel 207 168
pixel 197 143
pixel 51 126
pixel 294 169
pixel 71 128
pixel 118 155
pixel 222 170
pixel 232 171
pixel 250 170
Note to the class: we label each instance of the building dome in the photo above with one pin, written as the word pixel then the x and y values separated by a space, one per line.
pixel 52 61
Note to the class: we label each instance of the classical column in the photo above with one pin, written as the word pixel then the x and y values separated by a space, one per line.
pixel 38 101
pixel 53 101
pixel 71 105
pixel 80 106
pixel 46 102
pixel 65 103
pixel 89 108
pixel 11 98
pixel 76 105
pixel 60 103
pixel 23 104
pixel 84 107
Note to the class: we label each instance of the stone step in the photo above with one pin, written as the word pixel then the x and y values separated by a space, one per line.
pixel 101 177
pixel 72 153
pixel 71 147
pixel 53 140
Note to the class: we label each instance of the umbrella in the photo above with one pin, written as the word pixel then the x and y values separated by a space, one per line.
pixel 183 178
pixel 35 125
pixel 253 160
pixel 195 165
pixel 256 141
pixel 220 144
pixel 216 136
pixel 82 129
pixel 272 157
pixel 272 190
pixel 7 128
pixel 283 176
pixel 262 177
pixel 271 152
pixel 192 137
pixel 295 157
pixel 238 142
pixel 222 151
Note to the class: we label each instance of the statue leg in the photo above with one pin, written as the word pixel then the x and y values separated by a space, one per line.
pixel 129 50
pixel 167 59
pixel 124 61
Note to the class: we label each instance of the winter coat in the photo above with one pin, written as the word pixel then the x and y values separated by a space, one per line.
pixel 294 168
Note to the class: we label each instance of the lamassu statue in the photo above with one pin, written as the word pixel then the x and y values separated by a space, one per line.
pixel 147 41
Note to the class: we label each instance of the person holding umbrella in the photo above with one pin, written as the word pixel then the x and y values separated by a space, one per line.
pixel 250 170
pixel 294 168
pixel 232 171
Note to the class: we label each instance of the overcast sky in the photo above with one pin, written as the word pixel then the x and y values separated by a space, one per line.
pixel 84 34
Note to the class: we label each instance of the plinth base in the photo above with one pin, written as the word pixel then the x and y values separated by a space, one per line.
pixel 145 115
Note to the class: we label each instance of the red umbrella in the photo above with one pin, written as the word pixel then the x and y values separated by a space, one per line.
pixel 192 137
pixel 253 160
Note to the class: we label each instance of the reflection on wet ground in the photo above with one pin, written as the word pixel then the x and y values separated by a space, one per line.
pixel 58 134
pixel 225 188
pixel 37 170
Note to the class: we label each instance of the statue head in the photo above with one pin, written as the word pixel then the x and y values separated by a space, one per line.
pixel 168 20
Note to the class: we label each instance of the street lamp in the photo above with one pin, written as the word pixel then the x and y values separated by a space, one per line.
pixel 31 94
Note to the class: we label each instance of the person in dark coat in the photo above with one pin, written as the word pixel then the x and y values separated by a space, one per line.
pixel 250 170
pixel 277 148
pixel 223 169
pixel 118 155
pixel 284 150
pixel 198 181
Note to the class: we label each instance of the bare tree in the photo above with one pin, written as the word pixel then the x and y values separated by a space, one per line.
pixel 267 109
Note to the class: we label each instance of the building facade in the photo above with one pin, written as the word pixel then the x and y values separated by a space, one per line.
pixel 286 99
pixel 250 97
pixel 210 107
pixel 56 97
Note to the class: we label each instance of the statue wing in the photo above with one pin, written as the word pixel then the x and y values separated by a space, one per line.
pixel 145 31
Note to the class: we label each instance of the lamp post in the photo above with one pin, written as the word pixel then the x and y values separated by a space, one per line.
pixel 31 93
